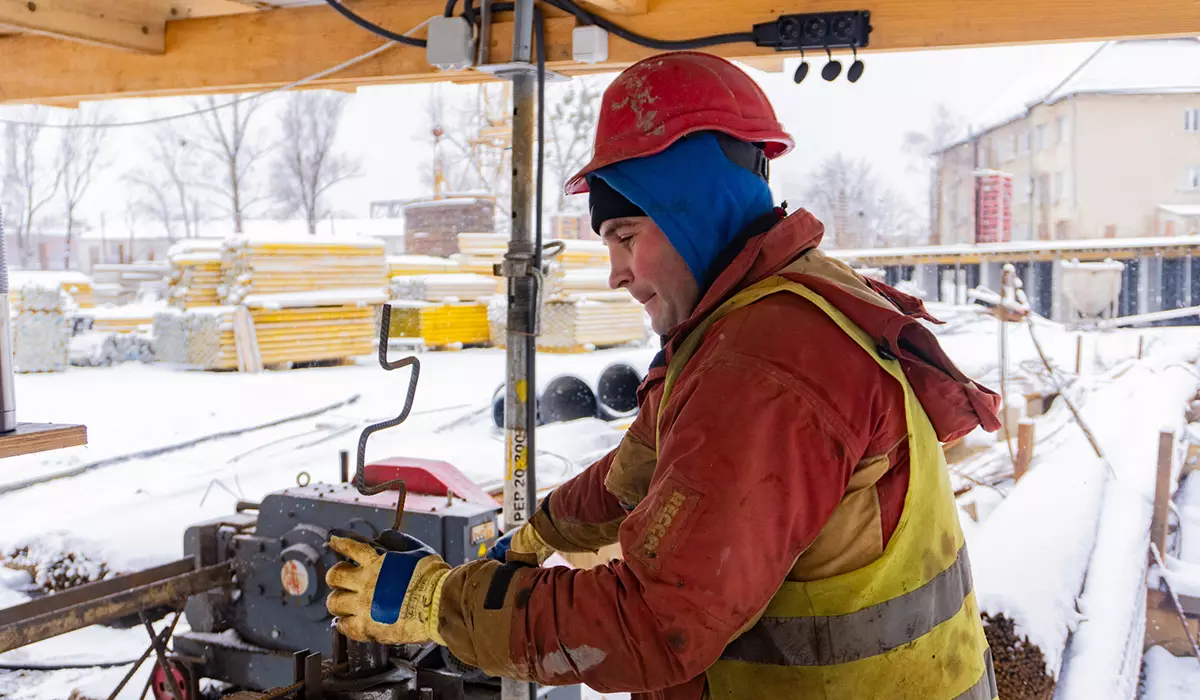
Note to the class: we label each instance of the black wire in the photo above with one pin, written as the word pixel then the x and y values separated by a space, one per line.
pixel 660 44
pixel 372 27
pixel 450 7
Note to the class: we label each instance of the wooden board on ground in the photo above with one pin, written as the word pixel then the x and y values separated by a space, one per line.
pixel 1163 626
pixel 41 437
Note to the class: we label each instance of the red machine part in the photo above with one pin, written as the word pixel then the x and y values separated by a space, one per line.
pixel 160 686
pixel 429 477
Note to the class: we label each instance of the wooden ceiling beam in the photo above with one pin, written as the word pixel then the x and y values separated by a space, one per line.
pixel 133 26
pixel 258 50
pixel 618 7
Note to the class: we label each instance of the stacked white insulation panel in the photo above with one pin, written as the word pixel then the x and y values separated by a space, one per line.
pixel 41 329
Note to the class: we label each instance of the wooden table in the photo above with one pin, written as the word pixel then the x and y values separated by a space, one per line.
pixel 40 437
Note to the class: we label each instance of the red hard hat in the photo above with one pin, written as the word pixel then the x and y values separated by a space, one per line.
pixel 659 100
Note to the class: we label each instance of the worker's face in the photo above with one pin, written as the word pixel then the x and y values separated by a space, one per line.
pixel 645 263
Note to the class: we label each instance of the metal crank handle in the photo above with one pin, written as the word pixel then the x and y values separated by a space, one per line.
pixel 359 477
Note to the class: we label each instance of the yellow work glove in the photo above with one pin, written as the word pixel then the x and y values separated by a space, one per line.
pixel 387 595
pixel 523 544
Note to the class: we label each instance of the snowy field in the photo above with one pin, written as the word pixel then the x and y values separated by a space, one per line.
pixel 132 514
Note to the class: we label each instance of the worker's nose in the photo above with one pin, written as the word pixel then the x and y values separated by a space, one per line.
pixel 619 275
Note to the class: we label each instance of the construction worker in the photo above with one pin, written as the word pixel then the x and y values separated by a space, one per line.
pixel 784 513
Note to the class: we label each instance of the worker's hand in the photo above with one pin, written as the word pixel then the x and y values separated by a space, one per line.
pixel 392 597
pixel 523 544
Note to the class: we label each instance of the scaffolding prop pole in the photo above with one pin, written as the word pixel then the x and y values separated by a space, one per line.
pixel 521 267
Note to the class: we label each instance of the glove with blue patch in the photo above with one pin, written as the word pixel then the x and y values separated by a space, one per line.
pixel 523 544
pixel 389 591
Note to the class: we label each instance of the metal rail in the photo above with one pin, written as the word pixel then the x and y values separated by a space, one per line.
pixel 107 600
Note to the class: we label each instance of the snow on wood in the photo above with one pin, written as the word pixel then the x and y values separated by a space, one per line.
pixel 331 297
pixel 1046 525
pixel 1103 658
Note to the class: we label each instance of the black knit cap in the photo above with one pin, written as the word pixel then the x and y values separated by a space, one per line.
pixel 606 203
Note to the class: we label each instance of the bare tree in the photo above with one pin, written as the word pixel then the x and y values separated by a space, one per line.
pixel 234 148
pixel 168 190
pixel 79 157
pixel 925 146
pixel 306 166
pixel 570 122
pixel 862 212
pixel 31 176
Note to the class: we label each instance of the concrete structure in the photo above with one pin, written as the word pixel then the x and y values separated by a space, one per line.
pixel 1159 274
pixel 1099 156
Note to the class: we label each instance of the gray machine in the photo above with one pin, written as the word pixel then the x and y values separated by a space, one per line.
pixel 249 635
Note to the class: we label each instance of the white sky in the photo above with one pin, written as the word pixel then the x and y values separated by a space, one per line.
pixel 387 126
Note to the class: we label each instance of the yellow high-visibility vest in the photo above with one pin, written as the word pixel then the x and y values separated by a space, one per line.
pixel 904 627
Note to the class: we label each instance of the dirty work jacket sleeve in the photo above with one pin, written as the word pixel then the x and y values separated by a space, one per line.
pixel 751 466
pixel 581 515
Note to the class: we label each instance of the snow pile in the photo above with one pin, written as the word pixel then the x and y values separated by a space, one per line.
pixel 41 329
pixel 1169 677
pixel 1104 655
pixel 55 563
pixel 106 349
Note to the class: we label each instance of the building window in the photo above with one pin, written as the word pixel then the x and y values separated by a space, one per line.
pixel 982 160
pixel 1029 187
pixel 1191 120
pixel 1025 141
pixel 1039 141
pixel 1008 148
pixel 1063 129
pixel 1193 178
pixel 1059 189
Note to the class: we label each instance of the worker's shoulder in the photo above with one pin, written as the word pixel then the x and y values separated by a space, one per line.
pixel 791 338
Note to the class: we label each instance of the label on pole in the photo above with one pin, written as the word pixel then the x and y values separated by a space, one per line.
pixel 516 504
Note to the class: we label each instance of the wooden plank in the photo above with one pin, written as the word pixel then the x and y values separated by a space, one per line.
pixel 1024 449
pixel 135 26
pixel 1163 626
pixel 1162 490
pixel 237 53
pixel 41 437
pixel 618 7
pixel 767 64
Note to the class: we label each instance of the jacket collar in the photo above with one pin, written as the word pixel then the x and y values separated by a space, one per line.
pixel 766 247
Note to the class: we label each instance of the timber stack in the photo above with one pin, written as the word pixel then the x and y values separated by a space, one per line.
pixel 195 277
pixel 282 302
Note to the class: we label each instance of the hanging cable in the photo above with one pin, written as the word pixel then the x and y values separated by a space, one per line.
pixel 381 31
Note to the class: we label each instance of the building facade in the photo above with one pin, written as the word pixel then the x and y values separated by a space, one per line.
pixel 1100 156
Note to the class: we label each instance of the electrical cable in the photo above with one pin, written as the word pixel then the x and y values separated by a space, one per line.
pixel 382 31
pixel 649 42
pixel 450 8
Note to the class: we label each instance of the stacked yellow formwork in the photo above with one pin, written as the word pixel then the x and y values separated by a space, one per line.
pixel 281 302
pixel 280 266
pixel 420 265
pixel 41 328
pixel 446 325
pixel 196 275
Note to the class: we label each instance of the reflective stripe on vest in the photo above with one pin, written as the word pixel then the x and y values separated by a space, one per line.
pixel 905 626
pixel 825 640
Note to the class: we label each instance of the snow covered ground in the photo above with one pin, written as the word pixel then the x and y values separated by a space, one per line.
pixel 132 514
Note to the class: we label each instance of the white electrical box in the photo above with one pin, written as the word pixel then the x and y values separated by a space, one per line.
pixel 589 44
pixel 449 45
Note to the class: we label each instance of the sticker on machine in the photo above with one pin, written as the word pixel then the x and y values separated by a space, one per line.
pixel 294 576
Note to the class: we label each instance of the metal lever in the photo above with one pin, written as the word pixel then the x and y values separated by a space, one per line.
pixel 359 476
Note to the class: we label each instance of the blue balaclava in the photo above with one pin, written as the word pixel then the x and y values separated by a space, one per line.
pixel 699 197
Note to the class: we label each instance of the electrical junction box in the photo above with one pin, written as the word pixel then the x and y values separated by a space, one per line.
pixel 589 44
pixel 449 45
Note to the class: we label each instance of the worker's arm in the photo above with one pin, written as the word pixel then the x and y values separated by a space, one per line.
pixel 751 468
